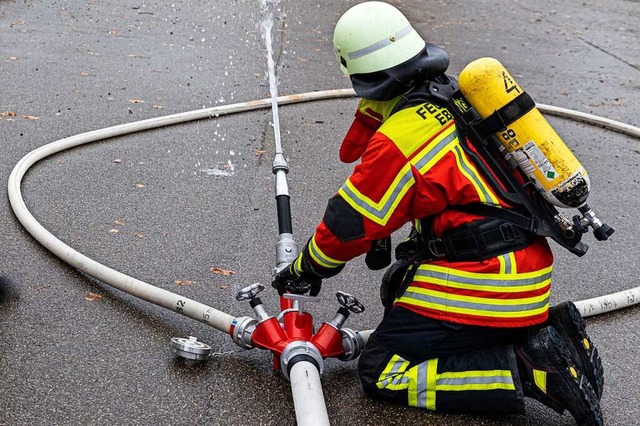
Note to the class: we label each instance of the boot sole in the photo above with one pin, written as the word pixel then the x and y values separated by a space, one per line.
pixel 572 328
pixel 581 387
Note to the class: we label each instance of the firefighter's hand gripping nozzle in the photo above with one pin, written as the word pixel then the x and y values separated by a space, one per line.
pixel 495 110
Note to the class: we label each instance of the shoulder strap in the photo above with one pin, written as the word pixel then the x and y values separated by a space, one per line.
pixel 437 91
pixel 539 216
pixel 490 155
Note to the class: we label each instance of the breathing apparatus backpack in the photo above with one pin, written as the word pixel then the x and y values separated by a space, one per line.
pixel 517 151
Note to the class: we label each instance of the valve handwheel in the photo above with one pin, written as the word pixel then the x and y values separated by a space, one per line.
pixel 350 302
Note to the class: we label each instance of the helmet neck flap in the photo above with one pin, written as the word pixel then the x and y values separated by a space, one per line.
pixel 387 84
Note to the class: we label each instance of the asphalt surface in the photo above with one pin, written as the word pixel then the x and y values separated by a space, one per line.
pixel 165 206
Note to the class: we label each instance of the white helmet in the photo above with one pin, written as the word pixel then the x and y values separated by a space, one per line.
pixel 379 49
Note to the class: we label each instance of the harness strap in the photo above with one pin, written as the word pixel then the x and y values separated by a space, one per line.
pixel 501 231
pixel 500 119
pixel 528 222
pixel 437 91
pixel 479 240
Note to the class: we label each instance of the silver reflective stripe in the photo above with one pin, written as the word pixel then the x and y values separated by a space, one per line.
pixel 508 266
pixel 397 365
pixel 510 282
pixel 320 256
pixel 380 44
pixel 382 212
pixel 399 380
pixel 392 376
pixel 435 150
pixel 421 386
pixel 461 381
pixel 473 175
pixel 445 301
pixel 405 180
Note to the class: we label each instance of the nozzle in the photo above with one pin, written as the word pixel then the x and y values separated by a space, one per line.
pixel 279 163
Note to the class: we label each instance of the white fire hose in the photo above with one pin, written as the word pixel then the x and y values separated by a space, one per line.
pixel 135 287
pixel 306 387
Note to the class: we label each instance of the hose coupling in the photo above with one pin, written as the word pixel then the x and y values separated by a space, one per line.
pixel 243 328
pixel 297 351
pixel 353 344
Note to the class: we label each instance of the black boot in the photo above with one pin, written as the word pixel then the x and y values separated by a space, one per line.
pixel 549 375
pixel 566 319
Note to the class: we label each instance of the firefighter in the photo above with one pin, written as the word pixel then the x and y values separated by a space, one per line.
pixel 465 330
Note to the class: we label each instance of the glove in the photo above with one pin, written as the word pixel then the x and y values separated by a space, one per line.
pixel 288 280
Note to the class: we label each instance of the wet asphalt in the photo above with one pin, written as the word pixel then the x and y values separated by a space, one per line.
pixel 167 205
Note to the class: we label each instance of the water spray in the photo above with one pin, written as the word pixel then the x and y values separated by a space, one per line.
pixel 286 248
pixel 268 9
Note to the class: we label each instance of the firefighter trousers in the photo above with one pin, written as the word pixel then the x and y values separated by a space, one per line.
pixel 422 362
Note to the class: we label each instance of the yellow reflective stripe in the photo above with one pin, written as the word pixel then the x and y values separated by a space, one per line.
pixel 432 370
pixel 502 287
pixel 473 373
pixel 417 393
pixel 413 391
pixel 471 173
pixel 449 297
pixel 481 275
pixel 503 264
pixel 297 265
pixel 379 212
pixel 435 150
pixel 476 287
pixel 393 376
pixel 540 379
pixel 477 310
pixel 504 283
pixel 477 387
pixel 514 264
pixel 320 258
pixel 396 383
pixel 417 224
pixel 422 384
pixel 479 380
pixel 508 263
pixel 502 308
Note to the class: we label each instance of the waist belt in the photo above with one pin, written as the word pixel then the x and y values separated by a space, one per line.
pixel 478 240
pixel 475 241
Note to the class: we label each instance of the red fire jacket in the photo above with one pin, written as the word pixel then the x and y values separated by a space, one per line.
pixel 412 166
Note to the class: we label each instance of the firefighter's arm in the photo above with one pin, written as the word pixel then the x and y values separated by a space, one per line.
pixel 371 205
pixel 355 142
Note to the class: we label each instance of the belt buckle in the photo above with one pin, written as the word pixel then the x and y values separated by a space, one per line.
pixel 433 249
pixel 508 232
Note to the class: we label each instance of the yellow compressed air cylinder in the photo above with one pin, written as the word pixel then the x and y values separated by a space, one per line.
pixel 530 140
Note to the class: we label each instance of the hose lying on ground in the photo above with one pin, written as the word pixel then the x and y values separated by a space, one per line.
pixel 196 310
